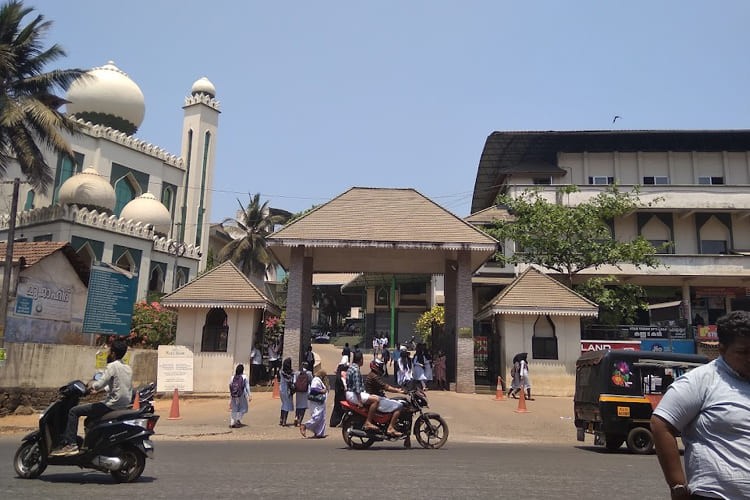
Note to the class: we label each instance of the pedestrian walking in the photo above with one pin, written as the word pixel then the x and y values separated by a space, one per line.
pixel 274 361
pixel 439 371
pixel 286 390
pixel 239 391
pixel 310 358
pixel 317 400
pixel 418 367
pixel 346 352
pixel 515 376
pixel 709 407
pixel 256 364
pixel 523 376
pixel 302 380
pixel 404 367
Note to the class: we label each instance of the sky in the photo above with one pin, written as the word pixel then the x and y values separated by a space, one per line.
pixel 319 97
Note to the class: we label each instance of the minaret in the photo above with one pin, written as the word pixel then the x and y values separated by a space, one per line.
pixel 199 126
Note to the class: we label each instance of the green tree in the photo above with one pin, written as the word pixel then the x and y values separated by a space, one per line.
pixel 619 303
pixel 29 116
pixel 249 231
pixel 427 322
pixel 568 239
pixel 153 325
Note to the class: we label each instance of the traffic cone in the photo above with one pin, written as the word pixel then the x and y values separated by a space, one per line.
pixel 500 393
pixel 522 402
pixel 137 401
pixel 174 412
pixel 276 394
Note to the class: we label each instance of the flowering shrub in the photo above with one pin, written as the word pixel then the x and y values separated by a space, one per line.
pixel 433 318
pixel 273 327
pixel 153 325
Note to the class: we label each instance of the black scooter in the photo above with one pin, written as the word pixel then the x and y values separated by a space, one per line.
pixel 118 442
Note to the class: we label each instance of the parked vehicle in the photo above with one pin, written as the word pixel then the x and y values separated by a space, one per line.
pixel 429 428
pixel 616 391
pixel 322 338
pixel 118 442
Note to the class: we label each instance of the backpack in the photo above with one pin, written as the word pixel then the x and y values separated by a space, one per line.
pixel 237 387
pixel 302 382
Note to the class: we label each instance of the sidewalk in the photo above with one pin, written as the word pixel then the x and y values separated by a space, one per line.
pixel 476 418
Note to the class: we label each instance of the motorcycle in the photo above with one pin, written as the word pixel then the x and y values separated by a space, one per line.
pixel 117 442
pixel 429 428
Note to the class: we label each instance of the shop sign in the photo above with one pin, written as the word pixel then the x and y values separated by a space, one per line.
pixel 601 345
pixel 707 332
pixel 718 291
pixel 655 332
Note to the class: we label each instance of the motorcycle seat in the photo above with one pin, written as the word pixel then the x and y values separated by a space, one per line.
pixel 118 414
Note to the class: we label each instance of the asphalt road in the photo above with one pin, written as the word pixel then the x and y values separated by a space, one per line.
pixel 322 469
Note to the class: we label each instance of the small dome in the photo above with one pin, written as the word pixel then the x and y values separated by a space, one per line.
pixel 203 86
pixel 88 189
pixel 107 97
pixel 148 210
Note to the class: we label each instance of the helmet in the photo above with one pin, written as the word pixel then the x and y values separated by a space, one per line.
pixel 376 365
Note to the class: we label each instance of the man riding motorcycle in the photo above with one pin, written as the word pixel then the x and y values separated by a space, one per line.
pixel 375 384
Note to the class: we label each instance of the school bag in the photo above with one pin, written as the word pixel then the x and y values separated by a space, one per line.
pixel 237 387
pixel 302 382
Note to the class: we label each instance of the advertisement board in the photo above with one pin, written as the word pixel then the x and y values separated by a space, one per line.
pixel 43 299
pixel 601 345
pixel 109 305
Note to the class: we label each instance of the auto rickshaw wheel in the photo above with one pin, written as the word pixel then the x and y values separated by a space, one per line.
pixel 640 441
pixel 613 441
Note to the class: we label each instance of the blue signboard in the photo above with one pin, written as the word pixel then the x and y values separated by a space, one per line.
pixel 109 307
pixel 677 345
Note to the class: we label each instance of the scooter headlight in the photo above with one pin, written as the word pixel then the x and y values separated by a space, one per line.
pixel 140 422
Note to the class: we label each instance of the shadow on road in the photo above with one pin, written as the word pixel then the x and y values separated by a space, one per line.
pixel 88 478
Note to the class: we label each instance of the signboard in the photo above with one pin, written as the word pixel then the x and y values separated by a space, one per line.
pixel 174 368
pixel 109 307
pixel 707 332
pixel 43 299
pixel 601 345
pixel 680 346
pixel 101 359
pixel 655 332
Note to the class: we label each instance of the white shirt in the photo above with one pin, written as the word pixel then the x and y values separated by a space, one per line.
pixel 256 357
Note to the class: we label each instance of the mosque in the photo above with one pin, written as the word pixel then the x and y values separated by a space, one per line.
pixel 120 199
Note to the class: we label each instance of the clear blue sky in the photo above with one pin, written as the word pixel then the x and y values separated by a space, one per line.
pixel 318 97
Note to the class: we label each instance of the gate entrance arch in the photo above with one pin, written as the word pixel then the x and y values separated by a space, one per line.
pixel 383 230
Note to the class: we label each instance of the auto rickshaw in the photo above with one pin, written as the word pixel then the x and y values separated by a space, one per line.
pixel 616 391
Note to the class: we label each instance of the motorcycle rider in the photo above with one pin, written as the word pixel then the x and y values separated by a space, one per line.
pixel 118 378
pixel 356 393
pixel 375 384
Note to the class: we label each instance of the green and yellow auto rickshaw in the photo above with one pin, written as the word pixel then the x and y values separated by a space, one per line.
pixel 616 391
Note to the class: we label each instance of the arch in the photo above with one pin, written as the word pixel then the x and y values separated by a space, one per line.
pixel 126 189
pixel 714 236
pixel 29 205
pixel 215 331
pixel 544 341
pixel 156 280
pixel 181 278
pixel 87 254
pixel 126 262
pixel 656 232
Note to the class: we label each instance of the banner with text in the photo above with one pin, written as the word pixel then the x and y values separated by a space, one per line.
pixel 174 369
pixel 109 306
pixel 43 299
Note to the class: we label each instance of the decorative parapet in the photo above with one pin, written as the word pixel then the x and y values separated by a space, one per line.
pixel 201 98
pixel 131 142
pixel 176 248
pixel 105 221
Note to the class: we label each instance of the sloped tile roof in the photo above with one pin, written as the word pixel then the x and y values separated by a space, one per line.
pixel 536 293
pixel 382 215
pixel 489 215
pixel 34 251
pixel 223 286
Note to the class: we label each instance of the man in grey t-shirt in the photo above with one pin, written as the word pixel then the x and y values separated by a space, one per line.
pixel 118 379
pixel 710 408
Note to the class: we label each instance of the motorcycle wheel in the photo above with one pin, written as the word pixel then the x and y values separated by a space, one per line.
pixel 431 431
pixel 354 442
pixel 133 463
pixel 29 461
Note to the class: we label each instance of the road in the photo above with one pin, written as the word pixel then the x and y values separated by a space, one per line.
pixel 322 469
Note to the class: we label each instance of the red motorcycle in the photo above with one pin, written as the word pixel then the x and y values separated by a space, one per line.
pixel 429 428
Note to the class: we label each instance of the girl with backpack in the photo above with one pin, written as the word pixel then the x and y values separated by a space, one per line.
pixel 286 390
pixel 302 381
pixel 239 391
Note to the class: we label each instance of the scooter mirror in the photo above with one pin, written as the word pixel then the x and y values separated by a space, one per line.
pixel 97 376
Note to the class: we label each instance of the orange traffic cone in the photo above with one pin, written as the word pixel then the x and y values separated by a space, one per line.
pixel 174 412
pixel 500 393
pixel 137 401
pixel 276 394
pixel 522 402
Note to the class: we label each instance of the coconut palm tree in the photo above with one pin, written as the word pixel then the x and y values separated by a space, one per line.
pixel 249 230
pixel 29 116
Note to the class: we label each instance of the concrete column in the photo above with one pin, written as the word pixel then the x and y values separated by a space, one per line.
pixel 306 332
pixel 464 326
pixel 687 306
pixel 451 267
pixel 294 300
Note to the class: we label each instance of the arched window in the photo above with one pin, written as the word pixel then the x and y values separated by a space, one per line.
pixel 714 234
pixel 29 205
pixel 167 198
pixel 215 331
pixel 181 278
pixel 156 280
pixel 544 341
pixel 87 254
pixel 126 262
pixel 126 189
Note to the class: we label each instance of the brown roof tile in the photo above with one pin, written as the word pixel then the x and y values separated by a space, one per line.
pixel 223 286
pixel 33 252
pixel 536 293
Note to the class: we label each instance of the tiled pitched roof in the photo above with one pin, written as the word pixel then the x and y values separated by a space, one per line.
pixel 33 252
pixel 536 293
pixel 489 215
pixel 223 286
pixel 364 215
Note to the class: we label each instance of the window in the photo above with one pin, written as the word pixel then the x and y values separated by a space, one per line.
pixel 713 246
pixel 661 246
pixel 601 180
pixel 29 205
pixel 215 331
pixel 544 341
pixel 542 181
pixel 125 191
pixel 705 179
pixel 382 296
pixel 655 179
pixel 66 168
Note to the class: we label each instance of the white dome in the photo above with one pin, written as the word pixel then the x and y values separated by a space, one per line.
pixel 148 210
pixel 88 189
pixel 107 92
pixel 203 86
